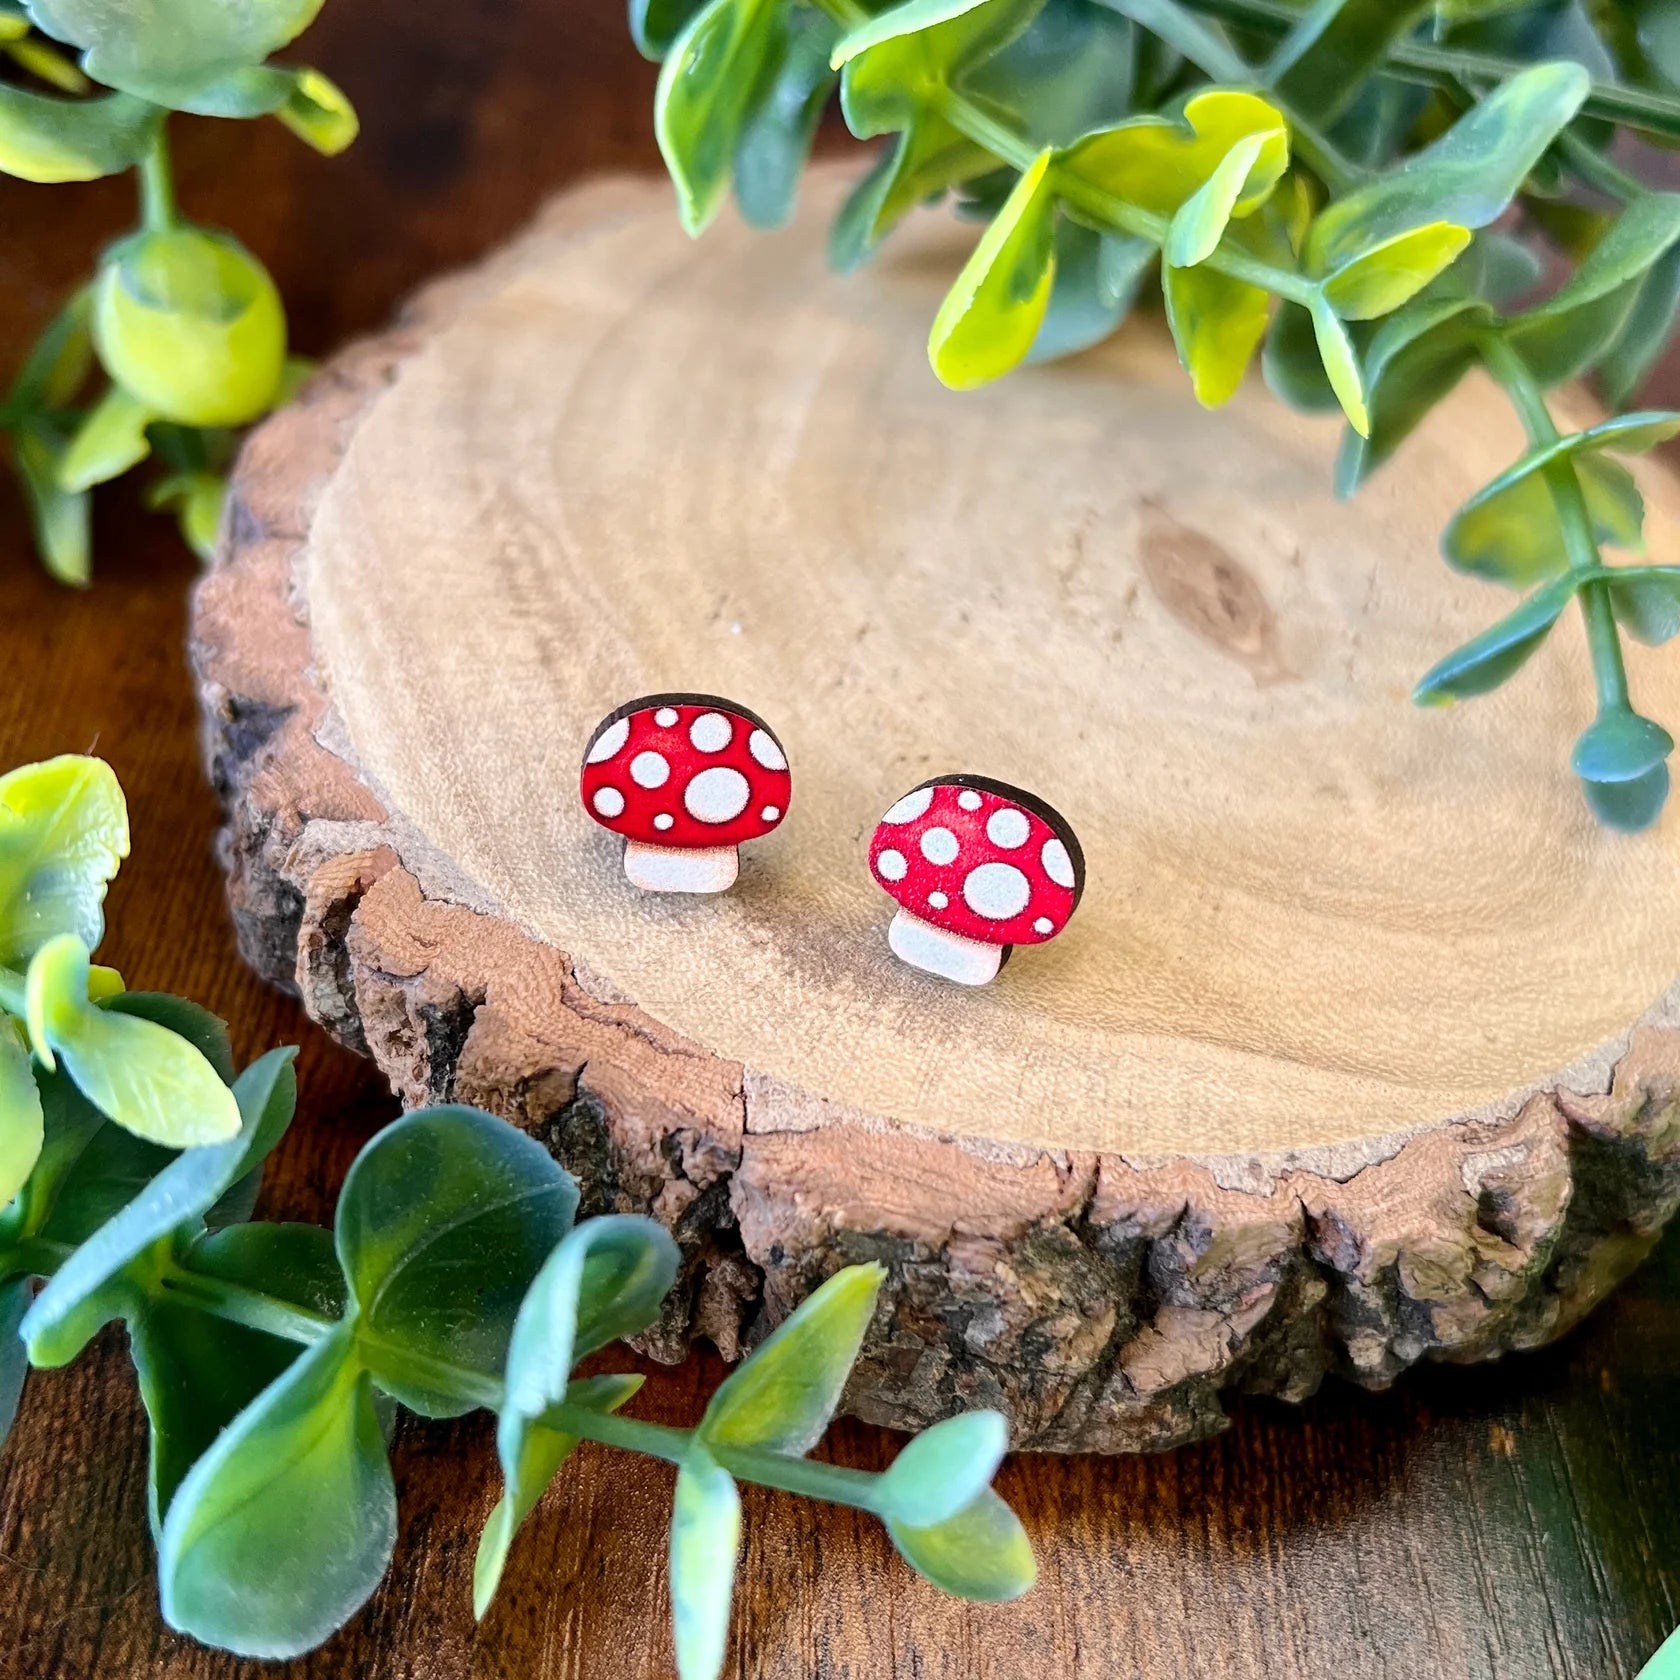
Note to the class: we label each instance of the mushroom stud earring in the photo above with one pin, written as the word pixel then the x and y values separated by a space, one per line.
pixel 685 778
pixel 976 867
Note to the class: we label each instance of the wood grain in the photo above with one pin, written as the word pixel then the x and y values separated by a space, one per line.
pixel 1509 1527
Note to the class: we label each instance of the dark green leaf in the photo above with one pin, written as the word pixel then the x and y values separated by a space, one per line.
pixel 1322 63
pixel 1620 746
pixel 655 24
pixel 1468 176
pixel 44 138
pixel 14 1361
pixel 928 157
pixel 197 1373
pixel 1627 364
pixel 1488 660
pixel 705 1538
pixel 943 1469
pixel 1646 600
pixel 776 140
pixel 1290 361
pixel 61 522
pixel 781 1397
pixel 282 1529
pixel 531 1453
pixel 1629 806
pixel 982 1553
pixel 445 1219
pixel 1097 280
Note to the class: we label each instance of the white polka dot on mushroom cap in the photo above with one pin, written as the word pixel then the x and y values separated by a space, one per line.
pixel 770 813
pixel 939 900
pixel 608 741
pixel 718 795
pixel 711 732
pixel 890 865
pixel 649 770
pixel 939 845
pixel 664 820
pixel 969 800
pixel 1057 864
pixel 765 751
pixel 665 717
pixel 1008 828
pixel 608 801
pixel 1043 925
pixel 996 891
pixel 911 806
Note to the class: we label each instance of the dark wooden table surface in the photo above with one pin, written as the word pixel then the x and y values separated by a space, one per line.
pixel 1517 1521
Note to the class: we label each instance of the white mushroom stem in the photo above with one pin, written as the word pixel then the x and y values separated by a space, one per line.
pixel 970 962
pixel 696 869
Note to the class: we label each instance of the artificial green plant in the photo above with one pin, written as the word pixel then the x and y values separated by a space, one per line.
pixel 1329 185
pixel 179 337
pixel 272 1357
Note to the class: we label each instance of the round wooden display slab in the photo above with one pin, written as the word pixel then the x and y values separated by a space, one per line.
pixel 1360 1046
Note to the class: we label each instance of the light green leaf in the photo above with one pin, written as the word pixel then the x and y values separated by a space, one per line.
pixel 1466 177
pixel 1199 222
pixel 109 441
pixel 61 523
pixel 704 96
pixel 44 138
pixel 282 1530
pixel 197 1373
pixel 705 1538
pixel 531 1453
pixel 197 499
pixel 1488 660
pixel 93 1286
pixel 1341 364
pixel 156 48
pixel 1158 163
pixel 989 318
pixel 145 1078
pixel 1620 746
pixel 943 1469
pixel 1217 324
pixel 1629 806
pixel 63 833
pixel 781 1397
pixel 58 364
pixel 206 1033
pixel 982 1553
pixel 1389 275
pixel 21 1127
pixel 1646 600
pixel 776 140
pixel 445 1220
pixel 318 113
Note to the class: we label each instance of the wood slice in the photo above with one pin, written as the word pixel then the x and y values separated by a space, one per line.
pixel 1360 1048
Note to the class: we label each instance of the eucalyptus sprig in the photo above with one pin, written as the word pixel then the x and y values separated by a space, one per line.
pixel 272 1357
pixel 1325 184
pixel 183 322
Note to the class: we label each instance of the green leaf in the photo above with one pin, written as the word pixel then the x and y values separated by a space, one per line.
pixel 22 1129
pixel 655 24
pixel 282 1529
pixel 531 1453
pixel 1389 275
pixel 1466 177
pixel 1646 600
pixel 1488 660
pixel 1097 280
pixel 781 1397
pixel 61 522
pixel 776 140
pixel 44 138
pixel 1323 62
pixel 703 97
pixel 928 157
pixel 197 498
pixel 1159 163
pixel 63 833
pixel 1620 746
pixel 1199 222
pixel 14 1361
pixel 1341 364
pixel 94 1285
pixel 990 317
pixel 312 106
pixel 155 49
pixel 705 1539
pixel 943 1469
pixel 205 1032
pixel 1217 324
pixel 318 113
pixel 145 1078
pixel 107 443
pixel 1629 806
pixel 1627 364
pixel 1290 362
pixel 982 1553
pixel 57 366
pixel 1568 333
pixel 197 1372
pixel 445 1219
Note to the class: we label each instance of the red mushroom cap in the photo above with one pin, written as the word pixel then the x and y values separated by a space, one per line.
pixel 685 771
pixel 981 859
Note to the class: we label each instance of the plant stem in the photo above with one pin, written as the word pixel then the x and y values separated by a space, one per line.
pixel 237 1303
pixel 1597 170
pixel 1604 641
pixel 157 187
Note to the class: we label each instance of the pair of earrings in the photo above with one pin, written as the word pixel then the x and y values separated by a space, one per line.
pixel 975 866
